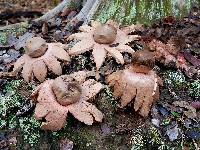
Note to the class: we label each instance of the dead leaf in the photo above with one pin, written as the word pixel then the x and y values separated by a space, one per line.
pixel 193 60
pixel 173 133
pixel 196 105
pixel 45 28
pixel 190 112
pixel 21 42
pixel 66 144
pixel 168 54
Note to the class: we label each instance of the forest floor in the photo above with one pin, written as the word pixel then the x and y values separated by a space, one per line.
pixel 167 127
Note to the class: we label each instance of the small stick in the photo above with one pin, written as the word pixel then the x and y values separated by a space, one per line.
pixel 9 74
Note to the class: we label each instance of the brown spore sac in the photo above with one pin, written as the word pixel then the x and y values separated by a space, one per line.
pixel 105 34
pixel 144 57
pixel 66 92
pixel 36 47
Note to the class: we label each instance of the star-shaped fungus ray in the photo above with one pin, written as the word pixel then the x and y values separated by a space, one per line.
pixel 129 85
pixel 103 39
pixel 138 83
pixel 67 93
pixel 38 57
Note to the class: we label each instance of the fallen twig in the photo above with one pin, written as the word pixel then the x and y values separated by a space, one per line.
pixel 14 26
pixel 7 74
pixel 19 13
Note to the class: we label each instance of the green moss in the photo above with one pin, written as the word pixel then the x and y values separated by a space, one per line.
pixel 194 89
pixel 3 38
pixel 175 80
pixel 29 129
pixel 140 11
pixel 110 11
pixel 17 30
pixel 149 139
pixel 82 61
pixel 82 137
pixel 155 136
pixel 10 100
pixel 137 140
pixel 106 103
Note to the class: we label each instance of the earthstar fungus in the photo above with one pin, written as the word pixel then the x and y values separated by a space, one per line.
pixel 38 57
pixel 67 93
pixel 103 39
pixel 138 83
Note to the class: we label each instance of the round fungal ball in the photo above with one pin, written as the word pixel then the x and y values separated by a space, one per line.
pixel 66 92
pixel 36 47
pixel 105 34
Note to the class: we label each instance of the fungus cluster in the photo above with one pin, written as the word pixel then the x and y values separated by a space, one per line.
pixel 55 98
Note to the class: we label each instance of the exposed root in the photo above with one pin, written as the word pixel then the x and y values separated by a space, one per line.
pixel 55 11
pixel 84 15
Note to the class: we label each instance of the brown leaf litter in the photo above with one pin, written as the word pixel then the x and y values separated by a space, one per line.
pixel 67 93
pixel 103 39
pixel 190 111
pixel 165 53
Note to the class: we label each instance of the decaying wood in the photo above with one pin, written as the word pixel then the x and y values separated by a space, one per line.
pixel 54 11
pixel 85 14
pixel 20 13
pixel 14 26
